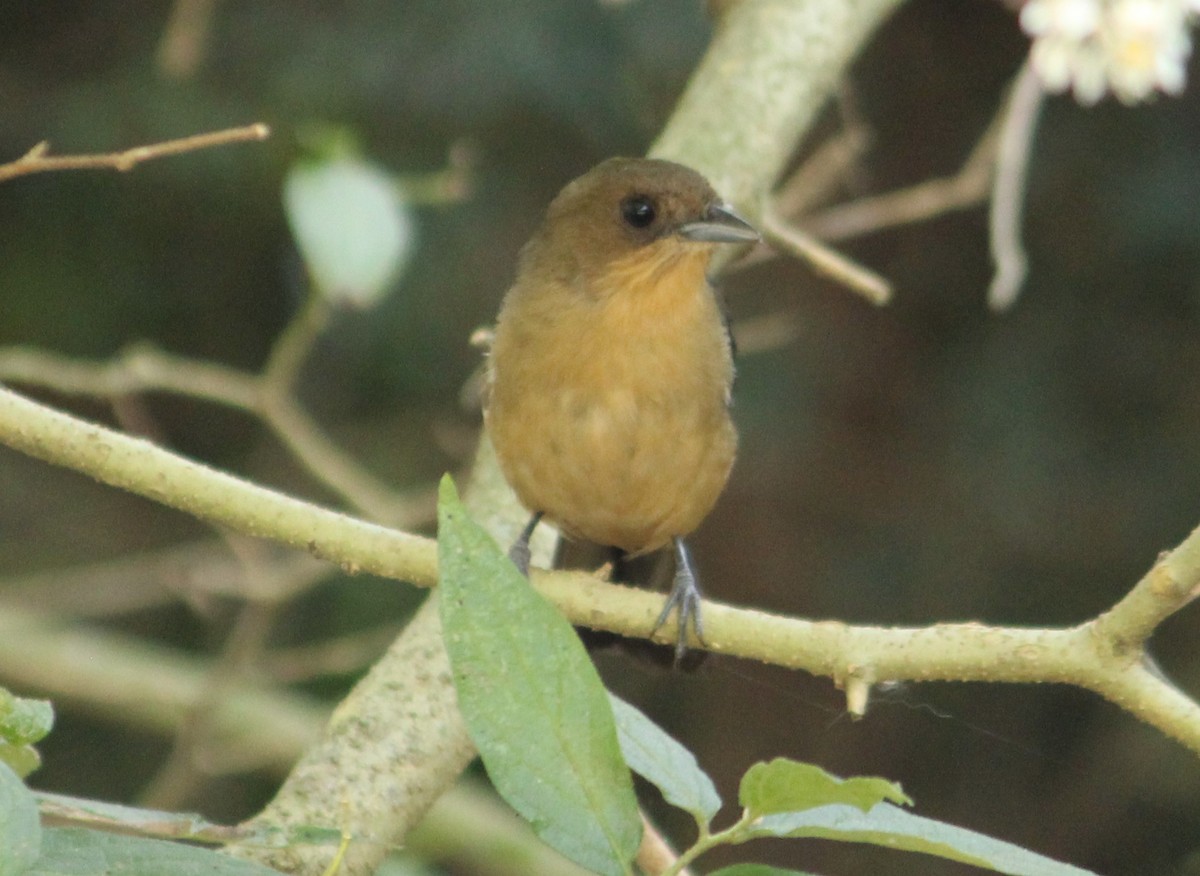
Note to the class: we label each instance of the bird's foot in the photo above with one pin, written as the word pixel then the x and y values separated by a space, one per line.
pixel 684 599
pixel 519 553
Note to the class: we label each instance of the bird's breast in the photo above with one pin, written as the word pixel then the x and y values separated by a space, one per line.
pixel 610 413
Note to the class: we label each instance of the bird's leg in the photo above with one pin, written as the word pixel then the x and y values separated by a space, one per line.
pixel 519 552
pixel 685 594
pixel 617 562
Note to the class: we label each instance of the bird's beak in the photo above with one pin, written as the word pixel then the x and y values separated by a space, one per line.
pixel 720 225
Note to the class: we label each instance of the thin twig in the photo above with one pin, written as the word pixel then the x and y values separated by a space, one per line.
pixel 182 771
pixel 1008 190
pixel 655 855
pixel 926 200
pixel 821 173
pixel 38 159
pixel 144 581
pixel 826 260
pixel 293 346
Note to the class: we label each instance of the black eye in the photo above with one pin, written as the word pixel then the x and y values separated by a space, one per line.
pixel 638 211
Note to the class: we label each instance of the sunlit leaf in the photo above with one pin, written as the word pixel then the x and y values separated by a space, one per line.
pixel 894 828
pixel 532 700
pixel 784 785
pixel 20 830
pixel 351 226
pixel 661 760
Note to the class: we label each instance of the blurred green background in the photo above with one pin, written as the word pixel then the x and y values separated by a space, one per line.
pixel 920 462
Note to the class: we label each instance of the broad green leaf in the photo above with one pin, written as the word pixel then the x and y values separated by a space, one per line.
pixel 661 760
pixel 756 870
pixel 24 721
pixel 351 226
pixel 20 830
pixel 80 852
pixel 532 700
pixel 894 828
pixel 784 785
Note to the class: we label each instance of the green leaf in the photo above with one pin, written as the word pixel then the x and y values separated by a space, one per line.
pixel 756 870
pixel 660 759
pixel 784 785
pixel 894 828
pixel 532 700
pixel 21 759
pixel 75 851
pixel 20 830
pixel 24 721
pixel 351 226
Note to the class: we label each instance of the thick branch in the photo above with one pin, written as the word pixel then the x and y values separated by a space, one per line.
pixel 1105 655
pixel 771 68
pixel 141 467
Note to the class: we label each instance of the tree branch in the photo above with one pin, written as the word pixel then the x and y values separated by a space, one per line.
pixel 1105 655
pixel 141 467
pixel 38 159
pixel 1008 193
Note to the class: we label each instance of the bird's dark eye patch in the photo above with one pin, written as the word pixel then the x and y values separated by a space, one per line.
pixel 639 211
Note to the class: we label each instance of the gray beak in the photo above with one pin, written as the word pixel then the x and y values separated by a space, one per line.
pixel 720 225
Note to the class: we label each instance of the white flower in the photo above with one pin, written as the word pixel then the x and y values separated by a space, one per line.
pixel 1131 47
pixel 1148 43
pixel 1073 19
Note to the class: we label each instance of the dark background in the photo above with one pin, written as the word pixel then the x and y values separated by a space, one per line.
pixel 921 462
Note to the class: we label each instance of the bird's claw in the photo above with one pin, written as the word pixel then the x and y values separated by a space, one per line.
pixel 685 599
pixel 519 553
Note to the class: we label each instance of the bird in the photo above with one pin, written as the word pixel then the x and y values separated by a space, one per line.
pixel 609 377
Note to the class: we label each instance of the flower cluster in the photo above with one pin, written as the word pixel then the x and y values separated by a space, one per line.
pixel 1131 47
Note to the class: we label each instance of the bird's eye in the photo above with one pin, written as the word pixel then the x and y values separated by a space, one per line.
pixel 638 211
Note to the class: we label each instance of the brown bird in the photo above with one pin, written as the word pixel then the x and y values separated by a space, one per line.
pixel 610 372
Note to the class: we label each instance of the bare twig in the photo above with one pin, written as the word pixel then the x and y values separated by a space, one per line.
pixel 821 173
pixel 293 346
pixel 183 769
pixel 806 235
pixel 825 260
pixel 1008 193
pixel 144 581
pixel 655 855
pixel 38 159
pixel 926 200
